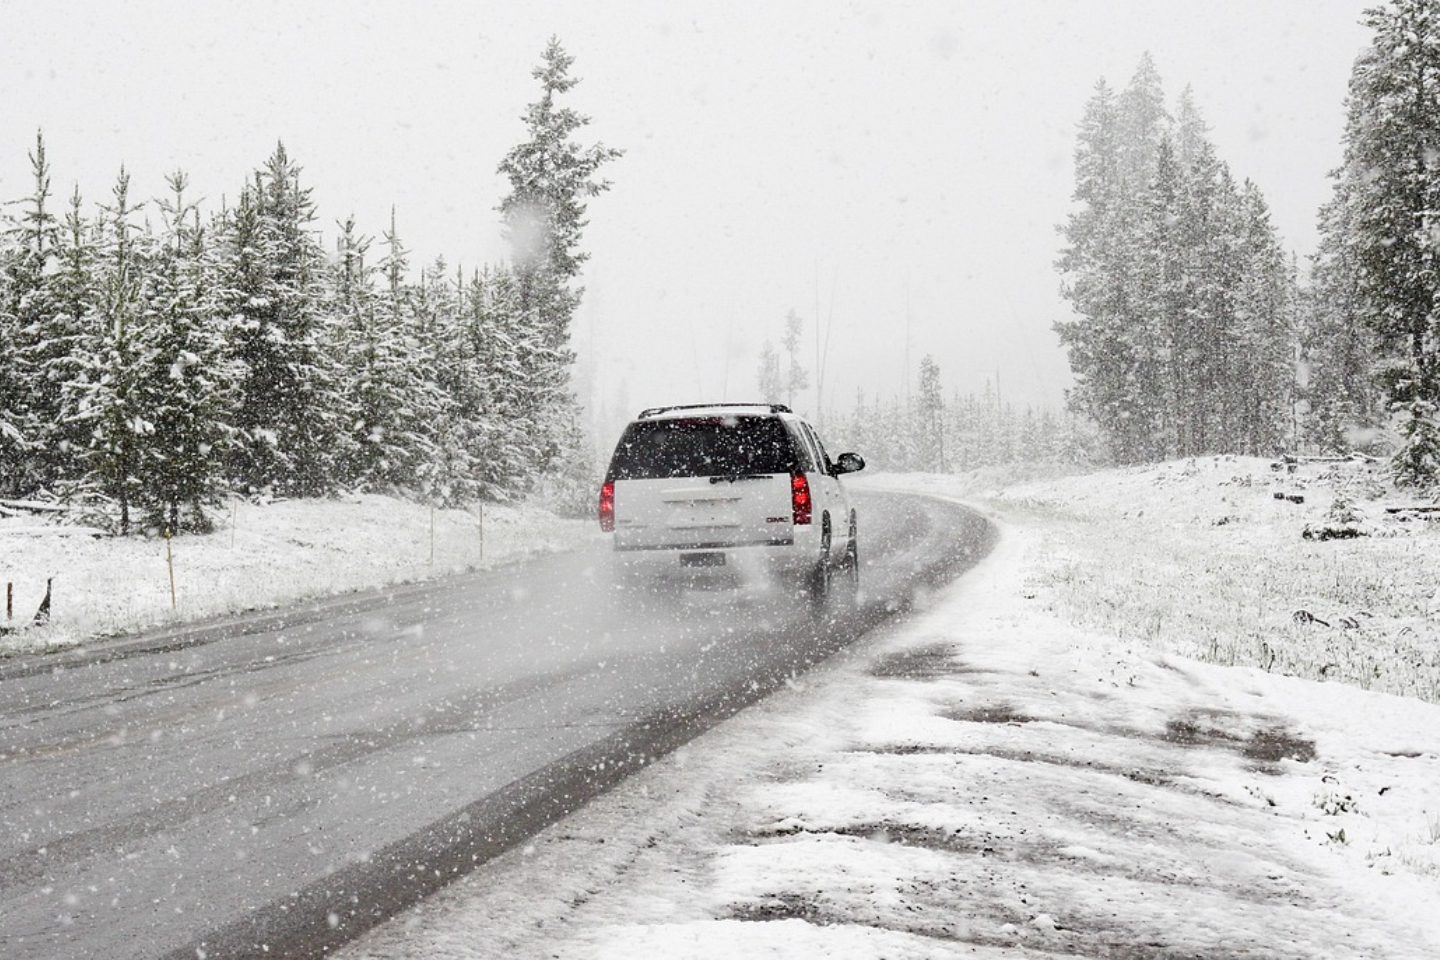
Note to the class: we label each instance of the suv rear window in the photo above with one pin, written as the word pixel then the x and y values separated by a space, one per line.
pixel 702 447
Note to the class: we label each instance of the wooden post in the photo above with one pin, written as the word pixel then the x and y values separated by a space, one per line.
pixel 170 562
pixel 432 535
pixel 480 515
pixel 9 601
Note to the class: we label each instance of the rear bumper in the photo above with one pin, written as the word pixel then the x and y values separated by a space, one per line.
pixel 724 563
pixel 622 547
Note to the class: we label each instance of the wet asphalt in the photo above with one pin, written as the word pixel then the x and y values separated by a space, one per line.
pixel 275 785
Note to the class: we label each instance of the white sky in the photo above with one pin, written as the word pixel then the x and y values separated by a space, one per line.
pixel 902 165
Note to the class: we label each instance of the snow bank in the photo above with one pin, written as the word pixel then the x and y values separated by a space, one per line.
pixel 262 555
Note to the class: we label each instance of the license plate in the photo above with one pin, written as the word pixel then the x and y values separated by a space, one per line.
pixel 702 559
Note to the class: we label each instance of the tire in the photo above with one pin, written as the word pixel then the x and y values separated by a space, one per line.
pixel 850 573
pixel 818 584
pixel 819 580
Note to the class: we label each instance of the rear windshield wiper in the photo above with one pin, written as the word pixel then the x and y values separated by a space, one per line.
pixel 732 477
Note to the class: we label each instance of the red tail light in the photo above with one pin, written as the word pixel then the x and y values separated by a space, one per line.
pixel 607 506
pixel 800 497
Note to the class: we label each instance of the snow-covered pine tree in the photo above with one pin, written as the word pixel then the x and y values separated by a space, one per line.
pixel 287 405
pixel 497 402
pixel 1159 339
pixel 187 380
pixel 1201 377
pixel 1341 407
pixel 74 294
pixel 963 432
pixel 384 377
pixel 1100 270
pixel 352 305
pixel 552 176
pixel 29 397
pixel 1389 187
pixel 1264 304
pixel 443 463
pixel 475 393
pixel 13 466
pixel 112 358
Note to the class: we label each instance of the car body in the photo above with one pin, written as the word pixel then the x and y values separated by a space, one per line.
pixel 730 492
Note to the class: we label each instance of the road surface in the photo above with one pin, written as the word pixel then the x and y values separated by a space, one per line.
pixel 278 784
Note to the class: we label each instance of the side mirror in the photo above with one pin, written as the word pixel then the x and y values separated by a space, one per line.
pixel 849 463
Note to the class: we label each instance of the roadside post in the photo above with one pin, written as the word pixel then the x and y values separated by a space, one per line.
pixel 170 563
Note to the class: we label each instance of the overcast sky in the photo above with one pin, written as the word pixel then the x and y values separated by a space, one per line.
pixel 898 168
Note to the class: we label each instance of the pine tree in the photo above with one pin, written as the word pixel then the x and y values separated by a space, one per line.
pixel 352 304
pixel 287 407
pixel 388 388
pixel 29 392
pixel 1341 405
pixel 186 380
pixel 498 406
pixel 1265 298
pixel 105 395
pixel 74 294
pixel 552 176
pixel 1389 187
pixel 442 468
pixel 1100 267
pixel 1158 338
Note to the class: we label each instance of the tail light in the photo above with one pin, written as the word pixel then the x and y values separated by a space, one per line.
pixel 607 506
pixel 800 497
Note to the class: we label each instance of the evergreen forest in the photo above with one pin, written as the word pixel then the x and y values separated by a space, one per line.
pixel 156 357
pixel 1194 333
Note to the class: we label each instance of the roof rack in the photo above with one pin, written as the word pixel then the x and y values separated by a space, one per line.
pixel 656 411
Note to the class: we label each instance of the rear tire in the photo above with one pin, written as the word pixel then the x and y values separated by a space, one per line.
pixel 850 573
pixel 818 581
pixel 818 584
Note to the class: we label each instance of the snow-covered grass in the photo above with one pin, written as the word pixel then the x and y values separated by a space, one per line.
pixel 261 555
pixel 1210 559
pixel 1042 762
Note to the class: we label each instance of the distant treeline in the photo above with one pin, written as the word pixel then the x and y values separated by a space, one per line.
pixel 154 358
pixel 931 433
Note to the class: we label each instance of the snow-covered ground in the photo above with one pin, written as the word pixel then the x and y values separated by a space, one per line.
pixel 261 555
pixel 1158 721
pixel 1033 767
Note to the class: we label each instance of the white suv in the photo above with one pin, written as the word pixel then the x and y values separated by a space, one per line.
pixel 737 491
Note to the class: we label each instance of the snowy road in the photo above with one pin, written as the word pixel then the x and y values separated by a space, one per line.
pixel 318 771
